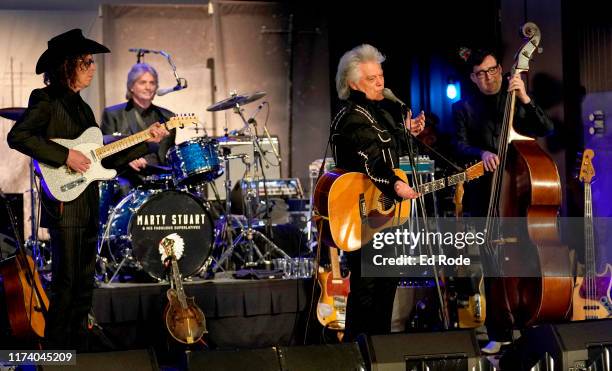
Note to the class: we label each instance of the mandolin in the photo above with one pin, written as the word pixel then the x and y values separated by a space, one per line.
pixel 26 299
pixel 591 299
pixel 185 321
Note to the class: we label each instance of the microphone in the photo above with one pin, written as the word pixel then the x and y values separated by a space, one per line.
pixel 165 91
pixel 142 51
pixel 180 85
pixel 251 119
pixel 387 93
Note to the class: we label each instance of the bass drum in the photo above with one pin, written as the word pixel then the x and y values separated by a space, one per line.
pixel 144 217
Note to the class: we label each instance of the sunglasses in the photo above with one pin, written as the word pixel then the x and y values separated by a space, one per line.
pixel 85 64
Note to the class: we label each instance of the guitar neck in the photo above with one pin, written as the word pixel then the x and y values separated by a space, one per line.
pixel 589 246
pixel 141 136
pixel 125 143
pixel 178 283
pixel 438 184
pixel 335 263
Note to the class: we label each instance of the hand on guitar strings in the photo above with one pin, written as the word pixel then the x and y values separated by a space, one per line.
pixel 404 190
pixel 77 161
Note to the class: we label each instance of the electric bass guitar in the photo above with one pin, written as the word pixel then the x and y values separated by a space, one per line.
pixel 185 321
pixel 63 184
pixel 591 299
pixel 354 207
pixel 331 309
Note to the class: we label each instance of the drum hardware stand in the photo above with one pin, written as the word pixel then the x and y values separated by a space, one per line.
pixel 257 161
pixel 224 237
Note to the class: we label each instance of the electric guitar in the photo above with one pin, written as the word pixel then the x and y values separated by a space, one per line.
pixel 354 207
pixel 591 299
pixel 471 310
pixel 64 184
pixel 185 321
pixel 331 309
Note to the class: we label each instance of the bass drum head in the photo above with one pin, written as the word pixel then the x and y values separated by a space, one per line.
pixel 177 215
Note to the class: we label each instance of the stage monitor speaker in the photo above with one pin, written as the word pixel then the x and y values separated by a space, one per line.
pixel 133 360
pixel 448 350
pixel 582 345
pixel 250 359
pixel 321 357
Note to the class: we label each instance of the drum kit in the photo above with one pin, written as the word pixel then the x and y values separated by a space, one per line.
pixel 173 202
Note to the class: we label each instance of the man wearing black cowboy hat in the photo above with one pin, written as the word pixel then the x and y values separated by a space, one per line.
pixel 58 111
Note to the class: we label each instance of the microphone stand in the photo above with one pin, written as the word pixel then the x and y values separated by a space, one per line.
pixel 413 164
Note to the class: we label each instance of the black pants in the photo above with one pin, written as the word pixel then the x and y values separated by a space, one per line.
pixel 370 302
pixel 73 266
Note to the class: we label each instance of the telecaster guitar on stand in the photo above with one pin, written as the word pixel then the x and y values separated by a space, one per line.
pixel 591 299
pixel 63 184
pixel 353 204
pixel 331 309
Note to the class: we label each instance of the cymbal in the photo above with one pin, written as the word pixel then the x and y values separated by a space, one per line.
pixel 12 113
pixel 232 101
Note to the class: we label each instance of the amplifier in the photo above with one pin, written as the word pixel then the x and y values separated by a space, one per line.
pixel 290 187
pixel 424 165
pixel 282 194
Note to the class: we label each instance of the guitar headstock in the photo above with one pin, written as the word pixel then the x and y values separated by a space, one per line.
pixel 168 245
pixel 475 171
pixel 182 120
pixel 587 171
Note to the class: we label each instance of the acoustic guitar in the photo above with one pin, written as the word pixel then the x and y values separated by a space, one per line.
pixel 331 309
pixel 591 298
pixel 185 321
pixel 26 300
pixel 354 207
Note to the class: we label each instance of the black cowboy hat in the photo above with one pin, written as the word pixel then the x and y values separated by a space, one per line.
pixel 70 43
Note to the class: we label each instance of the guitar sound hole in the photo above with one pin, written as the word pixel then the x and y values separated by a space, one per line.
pixel 385 202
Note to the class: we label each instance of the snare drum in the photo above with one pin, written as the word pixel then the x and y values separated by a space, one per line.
pixel 195 161
pixel 144 217
pixel 160 182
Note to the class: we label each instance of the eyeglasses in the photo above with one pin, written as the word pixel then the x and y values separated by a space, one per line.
pixel 489 71
pixel 84 65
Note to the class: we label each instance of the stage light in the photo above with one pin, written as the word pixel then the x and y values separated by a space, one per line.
pixel 453 90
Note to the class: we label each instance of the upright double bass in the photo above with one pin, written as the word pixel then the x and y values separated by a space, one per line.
pixel 535 273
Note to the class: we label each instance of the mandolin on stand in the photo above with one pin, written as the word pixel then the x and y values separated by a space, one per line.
pixel 185 321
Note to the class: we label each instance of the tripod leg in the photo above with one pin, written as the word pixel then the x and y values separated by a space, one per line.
pixel 272 245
